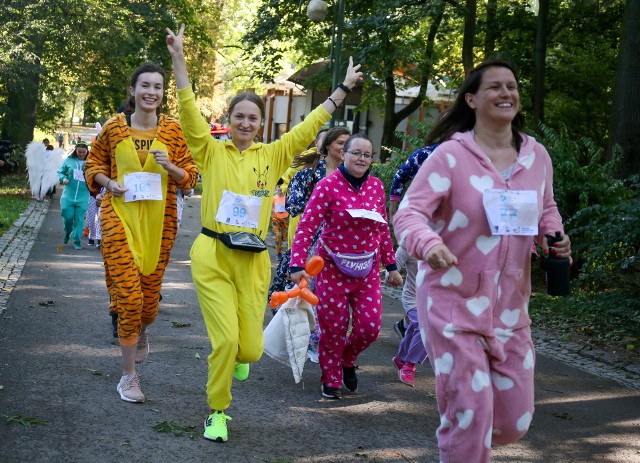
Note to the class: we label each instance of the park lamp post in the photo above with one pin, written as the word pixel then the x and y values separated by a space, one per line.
pixel 317 12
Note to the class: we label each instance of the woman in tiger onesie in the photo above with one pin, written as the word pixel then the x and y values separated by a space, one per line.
pixel 141 159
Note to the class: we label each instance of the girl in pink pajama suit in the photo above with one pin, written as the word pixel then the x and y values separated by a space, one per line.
pixel 474 286
pixel 349 188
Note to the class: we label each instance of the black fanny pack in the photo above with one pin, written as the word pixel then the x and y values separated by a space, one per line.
pixel 242 241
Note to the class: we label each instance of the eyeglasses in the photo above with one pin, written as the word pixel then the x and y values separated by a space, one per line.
pixel 359 155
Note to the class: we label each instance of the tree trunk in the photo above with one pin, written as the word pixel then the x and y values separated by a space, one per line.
pixel 625 117
pixel 469 35
pixel 491 34
pixel 391 118
pixel 540 56
pixel 22 104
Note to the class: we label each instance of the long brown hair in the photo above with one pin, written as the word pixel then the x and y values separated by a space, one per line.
pixel 311 159
pixel 461 118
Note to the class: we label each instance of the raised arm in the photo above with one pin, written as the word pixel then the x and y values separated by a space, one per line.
pixel 176 50
pixel 339 94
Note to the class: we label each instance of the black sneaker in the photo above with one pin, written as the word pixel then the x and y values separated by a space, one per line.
pixel 114 323
pixel 90 243
pixel 399 328
pixel 349 378
pixel 330 392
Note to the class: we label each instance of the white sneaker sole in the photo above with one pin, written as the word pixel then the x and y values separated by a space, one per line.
pixel 128 399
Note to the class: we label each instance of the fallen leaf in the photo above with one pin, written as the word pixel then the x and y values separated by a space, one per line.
pixel 180 325
pixel 197 356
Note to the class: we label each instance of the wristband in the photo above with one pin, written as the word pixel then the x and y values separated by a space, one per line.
pixel 108 185
pixel 345 88
pixel 331 100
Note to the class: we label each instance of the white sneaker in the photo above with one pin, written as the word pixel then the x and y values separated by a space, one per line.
pixel 312 354
pixel 129 389
pixel 142 351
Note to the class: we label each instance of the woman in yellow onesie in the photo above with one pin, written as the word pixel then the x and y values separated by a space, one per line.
pixel 141 159
pixel 238 179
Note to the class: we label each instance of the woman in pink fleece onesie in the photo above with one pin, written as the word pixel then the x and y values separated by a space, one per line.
pixel 474 286
pixel 339 202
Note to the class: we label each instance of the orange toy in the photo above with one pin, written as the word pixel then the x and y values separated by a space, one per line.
pixel 312 267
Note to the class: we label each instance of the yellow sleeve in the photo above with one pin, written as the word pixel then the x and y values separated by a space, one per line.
pixel 298 138
pixel 195 129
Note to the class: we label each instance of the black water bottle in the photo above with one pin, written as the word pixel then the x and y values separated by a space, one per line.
pixel 557 270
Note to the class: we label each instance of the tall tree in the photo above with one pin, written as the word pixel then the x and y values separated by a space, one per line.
pixel 540 56
pixel 402 40
pixel 625 114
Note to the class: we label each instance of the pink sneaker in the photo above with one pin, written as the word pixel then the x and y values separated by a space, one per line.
pixel 407 373
pixel 398 363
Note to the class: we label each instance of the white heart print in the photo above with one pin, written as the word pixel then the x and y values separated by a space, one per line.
pixel 523 422
pixel 527 363
pixel 438 183
pixel 444 364
pixel 487 243
pixel 481 183
pixel 464 418
pixel 479 381
pixel 527 161
pixel 451 160
pixel 478 305
pixel 451 277
pixel 510 317
pixel 502 383
pixel 503 335
pixel 449 331
pixel 458 220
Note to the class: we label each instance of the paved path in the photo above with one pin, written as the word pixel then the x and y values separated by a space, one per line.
pixel 59 363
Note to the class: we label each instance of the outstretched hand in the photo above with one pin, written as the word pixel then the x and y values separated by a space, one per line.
pixel 175 41
pixel 353 75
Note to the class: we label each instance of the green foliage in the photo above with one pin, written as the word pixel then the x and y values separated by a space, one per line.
pixel 609 319
pixel 14 198
pixel 582 174
pixel 386 171
pixel 175 428
pixel 25 421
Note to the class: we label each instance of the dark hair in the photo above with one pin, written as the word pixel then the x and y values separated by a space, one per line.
pixel 250 96
pixel 75 150
pixel 311 159
pixel 48 148
pixel 280 181
pixel 130 104
pixel 459 117
pixel 46 142
pixel 357 136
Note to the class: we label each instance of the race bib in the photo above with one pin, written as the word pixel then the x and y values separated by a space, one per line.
pixel 511 212
pixel 280 207
pixel 142 186
pixel 78 174
pixel 239 210
pixel 366 214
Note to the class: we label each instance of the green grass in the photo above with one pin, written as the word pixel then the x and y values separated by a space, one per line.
pixel 14 198
pixel 609 320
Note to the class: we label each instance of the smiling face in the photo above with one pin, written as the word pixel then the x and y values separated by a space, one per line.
pixel 148 91
pixel 245 119
pixel 82 153
pixel 358 156
pixel 497 99
pixel 334 149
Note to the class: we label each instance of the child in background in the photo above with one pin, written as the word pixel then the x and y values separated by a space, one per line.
pixel 411 350
pixel 279 220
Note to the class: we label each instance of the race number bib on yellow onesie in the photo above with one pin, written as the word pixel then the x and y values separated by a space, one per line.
pixel 239 210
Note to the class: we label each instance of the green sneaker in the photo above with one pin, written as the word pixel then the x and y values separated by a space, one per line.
pixel 241 372
pixel 215 427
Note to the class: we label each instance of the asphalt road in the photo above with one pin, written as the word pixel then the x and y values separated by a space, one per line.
pixel 60 364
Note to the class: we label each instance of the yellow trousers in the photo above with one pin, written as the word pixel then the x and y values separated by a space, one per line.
pixel 232 289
